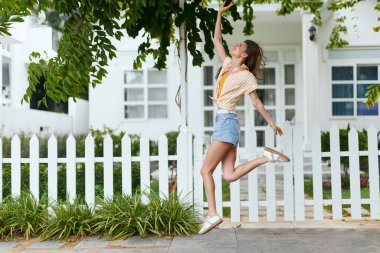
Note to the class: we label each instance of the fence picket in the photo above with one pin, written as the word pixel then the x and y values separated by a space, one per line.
pixel 90 170
pixel 235 193
pixel 353 147
pixel 190 171
pixel 270 182
pixel 317 173
pixel 253 193
pixel 373 164
pixel 286 142
pixel 198 180
pixel 16 166
pixel 299 191
pixel 52 168
pixel 181 165
pixel 34 174
pixel 163 166
pixel 144 167
pixel 336 189
pixel 217 175
pixel 1 169
pixel 126 165
pixel 108 166
pixel 71 168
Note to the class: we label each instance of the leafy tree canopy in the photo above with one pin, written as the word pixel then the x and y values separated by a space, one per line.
pixel 85 47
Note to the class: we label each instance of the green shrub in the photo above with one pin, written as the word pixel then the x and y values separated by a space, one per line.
pixel 69 219
pixel 169 216
pixel 22 216
pixel 121 217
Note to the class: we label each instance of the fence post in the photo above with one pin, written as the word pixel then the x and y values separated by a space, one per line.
pixel 288 172
pixel 144 168
pixel 16 166
pixel 198 181
pixel 52 168
pixel 163 166
pixel 34 174
pixel 253 194
pixel 299 191
pixel 90 170
pixel 235 193
pixel 71 168
pixel 270 178
pixel 1 169
pixel 353 147
pixel 373 163
pixel 126 165
pixel 317 174
pixel 336 183
pixel 108 166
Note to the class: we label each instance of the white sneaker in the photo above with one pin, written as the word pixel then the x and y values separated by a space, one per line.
pixel 275 156
pixel 210 223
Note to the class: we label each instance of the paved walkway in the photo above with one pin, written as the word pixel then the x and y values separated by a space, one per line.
pixel 325 236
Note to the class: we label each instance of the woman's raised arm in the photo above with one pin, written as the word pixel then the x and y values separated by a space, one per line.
pixel 218 31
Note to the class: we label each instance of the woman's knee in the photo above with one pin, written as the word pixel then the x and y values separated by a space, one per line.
pixel 206 171
pixel 229 177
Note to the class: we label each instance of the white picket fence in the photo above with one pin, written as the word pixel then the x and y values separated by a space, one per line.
pixel 189 180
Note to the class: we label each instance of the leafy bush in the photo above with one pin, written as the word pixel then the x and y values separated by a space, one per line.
pixel 169 216
pixel 121 217
pixel 22 216
pixel 69 219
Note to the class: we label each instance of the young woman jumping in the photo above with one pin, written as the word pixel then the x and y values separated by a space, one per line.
pixel 236 78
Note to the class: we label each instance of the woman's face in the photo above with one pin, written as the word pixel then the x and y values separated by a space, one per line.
pixel 239 50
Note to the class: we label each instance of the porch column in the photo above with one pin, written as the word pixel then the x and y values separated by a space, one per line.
pixel 310 79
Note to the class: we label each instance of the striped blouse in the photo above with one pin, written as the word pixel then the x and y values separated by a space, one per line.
pixel 239 82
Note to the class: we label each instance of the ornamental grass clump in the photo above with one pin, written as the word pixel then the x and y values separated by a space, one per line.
pixel 122 217
pixel 69 220
pixel 170 216
pixel 22 216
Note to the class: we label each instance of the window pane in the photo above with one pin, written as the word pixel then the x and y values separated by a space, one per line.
pixel 208 118
pixel 131 77
pixel 290 114
pixel 242 139
pixel 133 94
pixel 364 110
pixel 6 71
pixel 342 73
pixel 157 94
pixel 367 73
pixel 206 99
pixel 267 96
pixel 158 111
pixel 342 91
pixel 156 76
pixel 241 117
pixel 260 121
pixel 343 108
pixel 240 101
pixel 289 74
pixel 290 97
pixel 208 76
pixel 134 111
pixel 272 56
pixel 289 55
pixel 269 76
pixel 260 138
pixel 362 89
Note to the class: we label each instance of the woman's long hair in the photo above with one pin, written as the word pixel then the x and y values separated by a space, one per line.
pixel 254 60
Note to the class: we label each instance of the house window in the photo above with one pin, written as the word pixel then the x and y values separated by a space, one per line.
pixel 6 79
pixel 349 85
pixel 145 94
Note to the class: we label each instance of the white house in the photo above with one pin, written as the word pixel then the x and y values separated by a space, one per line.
pixel 15 117
pixel 305 82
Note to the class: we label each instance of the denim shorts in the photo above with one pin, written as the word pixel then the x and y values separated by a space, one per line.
pixel 227 128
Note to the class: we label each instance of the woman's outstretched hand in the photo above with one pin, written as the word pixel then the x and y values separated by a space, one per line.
pixel 223 8
pixel 277 130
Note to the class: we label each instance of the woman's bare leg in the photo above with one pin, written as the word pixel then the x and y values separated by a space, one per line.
pixel 215 153
pixel 231 174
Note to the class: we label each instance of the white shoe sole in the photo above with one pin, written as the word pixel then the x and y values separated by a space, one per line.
pixel 216 223
pixel 277 153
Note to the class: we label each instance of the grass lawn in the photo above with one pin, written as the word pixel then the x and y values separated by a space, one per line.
pixel 345 193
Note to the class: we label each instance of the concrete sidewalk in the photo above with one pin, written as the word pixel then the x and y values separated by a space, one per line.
pixel 271 237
